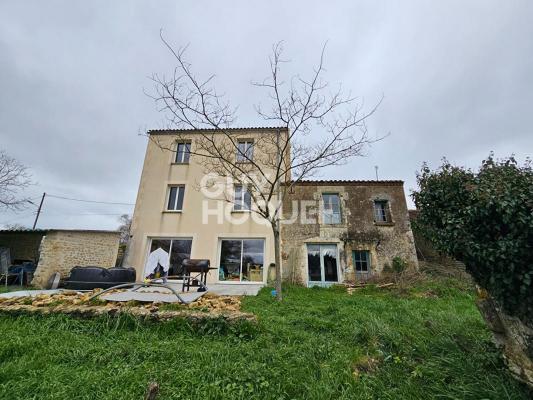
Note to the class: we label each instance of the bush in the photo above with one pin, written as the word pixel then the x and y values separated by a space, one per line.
pixel 399 264
pixel 485 220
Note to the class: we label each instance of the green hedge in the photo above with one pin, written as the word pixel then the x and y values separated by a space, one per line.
pixel 485 219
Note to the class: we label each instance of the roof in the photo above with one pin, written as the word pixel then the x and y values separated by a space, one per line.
pixel 333 182
pixel 24 230
pixel 191 130
pixel 45 231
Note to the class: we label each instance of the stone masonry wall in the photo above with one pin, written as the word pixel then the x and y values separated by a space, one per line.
pixel 357 230
pixel 63 250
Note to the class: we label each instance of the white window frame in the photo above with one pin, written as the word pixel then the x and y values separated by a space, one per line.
pixel 187 150
pixel 248 154
pixel 323 283
pixel 328 215
pixel 239 204
pixel 169 189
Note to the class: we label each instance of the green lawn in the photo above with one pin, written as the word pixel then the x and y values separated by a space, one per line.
pixel 317 344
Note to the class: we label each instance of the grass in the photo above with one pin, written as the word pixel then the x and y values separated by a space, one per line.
pixel 316 344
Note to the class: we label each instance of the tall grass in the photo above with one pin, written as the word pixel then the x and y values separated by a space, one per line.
pixel 316 344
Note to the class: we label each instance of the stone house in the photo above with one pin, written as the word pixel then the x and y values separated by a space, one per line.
pixel 336 231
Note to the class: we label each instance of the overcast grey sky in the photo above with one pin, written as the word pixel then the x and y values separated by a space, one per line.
pixel 457 77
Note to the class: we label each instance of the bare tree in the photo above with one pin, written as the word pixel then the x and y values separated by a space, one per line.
pixel 124 228
pixel 14 177
pixel 280 160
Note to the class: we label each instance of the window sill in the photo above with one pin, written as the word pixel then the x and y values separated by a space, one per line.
pixel 172 211
pixel 383 223
pixel 179 163
pixel 241 211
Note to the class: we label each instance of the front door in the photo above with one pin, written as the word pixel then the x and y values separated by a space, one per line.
pixel 322 265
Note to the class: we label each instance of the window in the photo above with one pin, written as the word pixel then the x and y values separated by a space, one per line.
pixel 380 210
pixel 166 256
pixel 183 153
pixel 332 209
pixel 361 261
pixel 245 151
pixel 322 264
pixel 242 200
pixel 175 198
pixel 241 260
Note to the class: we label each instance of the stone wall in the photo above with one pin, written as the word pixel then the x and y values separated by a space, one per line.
pixel 61 250
pixel 22 245
pixel 357 230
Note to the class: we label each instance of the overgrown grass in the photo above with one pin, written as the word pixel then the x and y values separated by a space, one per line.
pixel 316 344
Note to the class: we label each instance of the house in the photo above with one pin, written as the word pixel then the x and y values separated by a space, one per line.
pixel 360 226
pixel 177 216
pixel 344 230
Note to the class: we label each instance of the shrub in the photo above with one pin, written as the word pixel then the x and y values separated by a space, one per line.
pixel 399 264
pixel 485 220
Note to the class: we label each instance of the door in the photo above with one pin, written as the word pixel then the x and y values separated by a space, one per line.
pixel 241 260
pixel 322 264
pixel 166 256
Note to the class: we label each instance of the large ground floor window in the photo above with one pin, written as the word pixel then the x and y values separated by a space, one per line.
pixel 241 260
pixel 166 256
pixel 322 263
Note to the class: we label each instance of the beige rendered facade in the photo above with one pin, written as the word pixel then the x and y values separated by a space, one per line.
pixel 187 222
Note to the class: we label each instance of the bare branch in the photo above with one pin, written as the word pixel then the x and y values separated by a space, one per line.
pixel 14 177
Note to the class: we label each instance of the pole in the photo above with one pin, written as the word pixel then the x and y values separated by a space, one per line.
pixel 39 211
pixel 376 167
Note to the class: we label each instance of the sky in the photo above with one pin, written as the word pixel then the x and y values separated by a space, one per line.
pixel 456 76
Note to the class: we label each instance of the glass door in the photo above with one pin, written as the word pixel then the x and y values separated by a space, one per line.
pixel 166 256
pixel 322 264
pixel 241 260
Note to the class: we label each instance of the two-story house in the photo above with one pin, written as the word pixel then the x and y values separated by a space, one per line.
pixel 344 230
pixel 331 230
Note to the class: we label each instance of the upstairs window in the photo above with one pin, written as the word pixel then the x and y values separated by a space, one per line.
pixel 380 211
pixel 245 151
pixel 175 198
pixel 183 153
pixel 332 209
pixel 242 200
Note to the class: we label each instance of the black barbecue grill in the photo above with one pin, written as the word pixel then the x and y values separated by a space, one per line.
pixel 194 272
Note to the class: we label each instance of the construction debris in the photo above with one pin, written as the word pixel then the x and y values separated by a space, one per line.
pixel 77 303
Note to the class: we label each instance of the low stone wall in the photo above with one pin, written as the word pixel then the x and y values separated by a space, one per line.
pixel 61 250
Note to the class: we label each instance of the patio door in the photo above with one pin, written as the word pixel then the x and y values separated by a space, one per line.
pixel 241 260
pixel 166 256
pixel 322 264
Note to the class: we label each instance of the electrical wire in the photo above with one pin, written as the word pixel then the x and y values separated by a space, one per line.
pixel 89 201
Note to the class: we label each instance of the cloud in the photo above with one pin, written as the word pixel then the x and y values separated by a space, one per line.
pixel 455 76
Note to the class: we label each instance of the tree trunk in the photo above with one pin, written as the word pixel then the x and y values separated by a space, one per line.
pixel 277 254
